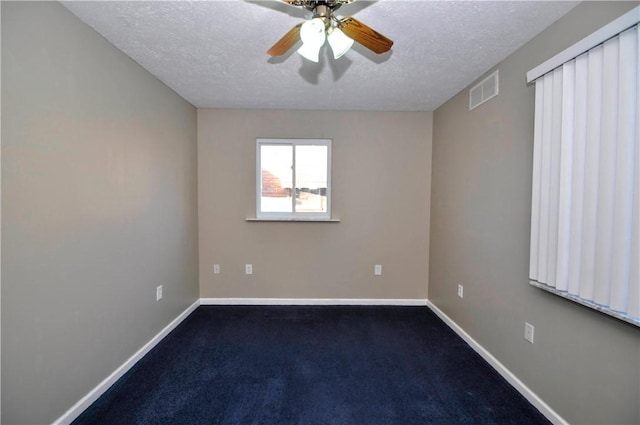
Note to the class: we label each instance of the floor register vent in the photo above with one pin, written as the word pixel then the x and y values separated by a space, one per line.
pixel 483 91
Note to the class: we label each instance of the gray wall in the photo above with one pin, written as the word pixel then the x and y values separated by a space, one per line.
pixel 585 365
pixel 99 197
pixel 381 183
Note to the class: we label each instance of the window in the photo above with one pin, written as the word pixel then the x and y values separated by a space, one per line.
pixel 293 179
pixel 585 198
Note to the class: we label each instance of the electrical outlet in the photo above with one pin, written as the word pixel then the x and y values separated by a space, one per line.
pixel 159 293
pixel 528 332
pixel 216 269
pixel 248 269
pixel 377 270
pixel 460 291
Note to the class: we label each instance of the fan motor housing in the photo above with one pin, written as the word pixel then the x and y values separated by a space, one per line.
pixel 321 8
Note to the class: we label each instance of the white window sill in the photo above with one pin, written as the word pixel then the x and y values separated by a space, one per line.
pixel 602 309
pixel 295 219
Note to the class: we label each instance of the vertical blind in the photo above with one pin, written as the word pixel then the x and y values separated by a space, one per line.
pixel 585 201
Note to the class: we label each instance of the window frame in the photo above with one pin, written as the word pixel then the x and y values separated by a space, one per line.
pixel 294 215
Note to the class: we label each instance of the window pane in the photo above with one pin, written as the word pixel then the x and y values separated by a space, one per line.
pixel 277 175
pixel 311 178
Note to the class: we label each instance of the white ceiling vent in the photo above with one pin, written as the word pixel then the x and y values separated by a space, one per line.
pixel 483 91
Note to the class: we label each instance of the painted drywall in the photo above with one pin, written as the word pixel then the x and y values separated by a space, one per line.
pixel 0 220
pixel 381 181
pixel 99 195
pixel 584 365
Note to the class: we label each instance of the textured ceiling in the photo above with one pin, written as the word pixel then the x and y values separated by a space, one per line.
pixel 213 53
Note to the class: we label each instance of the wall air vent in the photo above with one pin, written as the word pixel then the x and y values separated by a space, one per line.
pixel 483 91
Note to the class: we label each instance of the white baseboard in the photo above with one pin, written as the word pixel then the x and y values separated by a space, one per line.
pixel 75 411
pixel 533 398
pixel 313 301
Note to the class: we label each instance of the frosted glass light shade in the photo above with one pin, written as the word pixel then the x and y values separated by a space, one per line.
pixel 310 52
pixel 339 42
pixel 312 36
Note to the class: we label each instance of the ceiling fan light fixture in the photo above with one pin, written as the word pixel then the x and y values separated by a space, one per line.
pixel 339 42
pixel 341 32
pixel 312 34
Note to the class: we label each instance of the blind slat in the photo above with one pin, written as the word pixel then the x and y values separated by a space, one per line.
pixel 591 175
pixel 624 169
pixel 545 180
pixel 607 163
pixel 565 176
pixel 535 197
pixel 577 191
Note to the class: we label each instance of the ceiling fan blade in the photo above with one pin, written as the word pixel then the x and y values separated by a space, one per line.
pixel 365 35
pixel 285 43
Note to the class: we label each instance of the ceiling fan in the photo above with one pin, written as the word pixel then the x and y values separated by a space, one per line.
pixel 340 33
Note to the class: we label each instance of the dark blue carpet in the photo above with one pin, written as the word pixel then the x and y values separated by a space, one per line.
pixel 312 365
